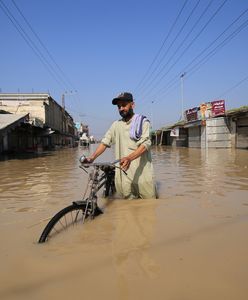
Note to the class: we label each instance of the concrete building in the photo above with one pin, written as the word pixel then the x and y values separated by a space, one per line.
pixel 215 133
pixel 52 126
pixel 227 131
pixel 173 135
pixel 12 135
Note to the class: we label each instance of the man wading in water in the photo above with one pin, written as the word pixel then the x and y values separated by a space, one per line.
pixel 131 136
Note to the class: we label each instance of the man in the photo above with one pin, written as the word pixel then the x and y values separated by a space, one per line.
pixel 131 136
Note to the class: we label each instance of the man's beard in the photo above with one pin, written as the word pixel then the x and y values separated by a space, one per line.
pixel 126 115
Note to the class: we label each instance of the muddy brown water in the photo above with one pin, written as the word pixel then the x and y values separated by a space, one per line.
pixel 189 244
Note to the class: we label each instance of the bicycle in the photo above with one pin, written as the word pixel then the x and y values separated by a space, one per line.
pixel 101 176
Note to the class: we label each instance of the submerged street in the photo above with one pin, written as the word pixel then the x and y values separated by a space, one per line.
pixel 191 243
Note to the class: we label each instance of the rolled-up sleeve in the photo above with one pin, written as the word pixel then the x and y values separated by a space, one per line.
pixel 108 138
pixel 145 137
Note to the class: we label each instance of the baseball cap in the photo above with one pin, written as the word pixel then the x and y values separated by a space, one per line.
pixel 123 96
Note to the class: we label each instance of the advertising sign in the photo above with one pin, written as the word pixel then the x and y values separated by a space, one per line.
pixel 205 111
pixel 191 114
pixel 174 132
pixel 218 108
pixel 77 125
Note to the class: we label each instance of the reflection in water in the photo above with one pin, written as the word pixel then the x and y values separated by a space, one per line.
pixel 136 249
pixel 191 172
pixel 133 234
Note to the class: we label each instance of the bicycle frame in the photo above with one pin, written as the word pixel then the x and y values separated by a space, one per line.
pixel 78 211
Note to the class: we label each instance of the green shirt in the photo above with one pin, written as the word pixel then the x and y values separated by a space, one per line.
pixel 139 181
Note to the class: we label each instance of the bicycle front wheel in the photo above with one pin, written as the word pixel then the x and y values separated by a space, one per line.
pixel 67 217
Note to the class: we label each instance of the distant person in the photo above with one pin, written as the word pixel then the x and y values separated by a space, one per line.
pixel 131 136
pixel 92 139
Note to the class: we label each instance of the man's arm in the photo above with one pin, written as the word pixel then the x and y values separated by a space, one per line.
pixel 126 161
pixel 99 150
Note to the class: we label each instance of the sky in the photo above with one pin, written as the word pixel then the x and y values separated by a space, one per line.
pixel 172 55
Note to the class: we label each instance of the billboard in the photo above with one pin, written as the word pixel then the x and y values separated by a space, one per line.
pixel 218 108
pixel 192 114
pixel 206 110
pixel 174 132
pixel 77 125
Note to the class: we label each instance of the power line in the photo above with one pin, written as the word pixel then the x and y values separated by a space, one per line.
pixel 220 35
pixel 197 66
pixel 206 48
pixel 186 37
pixel 58 74
pixel 42 44
pixel 218 47
pixel 233 87
pixel 171 44
pixel 190 44
pixel 161 47
pixel 31 44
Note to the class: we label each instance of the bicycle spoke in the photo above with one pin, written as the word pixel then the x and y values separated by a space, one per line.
pixel 75 221
pixel 62 224
pixel 101 177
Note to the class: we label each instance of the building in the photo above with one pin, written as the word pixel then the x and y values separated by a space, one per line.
pixel 50 125
pixel 12 132
pixel 208 126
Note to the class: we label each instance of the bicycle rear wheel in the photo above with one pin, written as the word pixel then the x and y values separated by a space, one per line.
pixel 67 217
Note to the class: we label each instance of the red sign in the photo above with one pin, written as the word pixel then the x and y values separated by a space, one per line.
pixel 191 114
pixel 218 108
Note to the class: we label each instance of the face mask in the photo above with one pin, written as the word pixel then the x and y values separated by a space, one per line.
pixel 126 114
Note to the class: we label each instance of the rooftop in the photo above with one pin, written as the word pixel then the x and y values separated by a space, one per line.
pixel 23 96
pixel 8 119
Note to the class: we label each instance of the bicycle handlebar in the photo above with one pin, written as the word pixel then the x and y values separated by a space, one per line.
pixel 83 158
pixel 98 164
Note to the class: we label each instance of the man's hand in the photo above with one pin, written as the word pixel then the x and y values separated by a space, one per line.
pixel 125 163
pixel 88 160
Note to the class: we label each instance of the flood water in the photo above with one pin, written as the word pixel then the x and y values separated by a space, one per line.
pixel 189 244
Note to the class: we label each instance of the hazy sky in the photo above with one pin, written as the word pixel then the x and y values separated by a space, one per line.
pixel 92 50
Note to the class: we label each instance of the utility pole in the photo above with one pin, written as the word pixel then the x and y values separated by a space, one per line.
pixel 64 117
pixel 63 101
pixel 67 94
pixel 152 115
pixel 182 94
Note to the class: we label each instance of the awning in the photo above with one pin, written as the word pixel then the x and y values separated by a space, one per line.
pixel 10 121
pixel 193 124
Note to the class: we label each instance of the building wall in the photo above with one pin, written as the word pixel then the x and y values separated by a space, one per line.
pixel 218 133
pixel 35 108
pixel 42 112
pixel 194 137
pixel 242 132
pixel 54 116
pixel 182 140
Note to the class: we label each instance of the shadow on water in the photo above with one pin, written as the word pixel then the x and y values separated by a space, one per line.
pixel 25 155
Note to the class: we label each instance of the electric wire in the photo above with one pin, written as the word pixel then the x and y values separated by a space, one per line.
pixel 29 42
pixel 188 34
pixel 32 45
pixel 187 48
pixel 186 68
pixel 43 45
pixel 175 83
pixel 171 44
pixel 161 47
pixel 218 47
pixel 233 87
pixel 59 75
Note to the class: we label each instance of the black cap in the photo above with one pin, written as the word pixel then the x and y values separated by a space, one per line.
pixel 123 96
